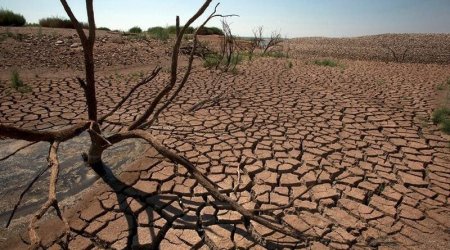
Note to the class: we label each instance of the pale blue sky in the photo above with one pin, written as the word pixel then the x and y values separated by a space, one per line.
pixel 293 18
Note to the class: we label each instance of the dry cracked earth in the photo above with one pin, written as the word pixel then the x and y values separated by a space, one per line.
pixel 346 156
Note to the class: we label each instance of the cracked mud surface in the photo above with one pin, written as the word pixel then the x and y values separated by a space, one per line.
pixel 348 157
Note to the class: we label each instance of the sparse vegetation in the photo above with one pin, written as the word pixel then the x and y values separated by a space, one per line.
pixel 159 33
pixel 205 31
pixel 441 117
pixel 164 34
pixel 326 63
pixel 236 59
pixel 440 86
pixel 135 30
pixel 9 18
pixel 5 35
pixel 173 30
pixel 276 54
pixel 8 34
pixel 229 56
pixel 212 60
pixel 104 28
pixel 17 83
pixel 32 25
pixel 58 22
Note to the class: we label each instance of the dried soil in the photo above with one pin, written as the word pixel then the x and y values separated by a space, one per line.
pixel 358 135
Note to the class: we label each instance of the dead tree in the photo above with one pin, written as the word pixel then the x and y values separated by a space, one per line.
pixel 397 57
pixel 138 129
pixel 229 47
pixel 257 40
pixel 274 40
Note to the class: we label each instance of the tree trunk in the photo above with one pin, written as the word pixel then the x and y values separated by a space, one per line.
pixel 94 156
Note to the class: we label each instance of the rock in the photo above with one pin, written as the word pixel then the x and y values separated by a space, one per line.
pixel 75 45
pixel 59 42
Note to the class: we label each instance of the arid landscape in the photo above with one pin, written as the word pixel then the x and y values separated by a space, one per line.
pixel 330 138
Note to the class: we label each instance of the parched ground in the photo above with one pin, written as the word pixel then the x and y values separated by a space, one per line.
pixel 347 156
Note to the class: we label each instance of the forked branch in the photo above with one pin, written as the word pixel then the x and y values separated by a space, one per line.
pixel 186 74
pixel 51 200
pixel 88 50
pixel 174 68
pixel 77 25
pixel 33 135
pixel 274 40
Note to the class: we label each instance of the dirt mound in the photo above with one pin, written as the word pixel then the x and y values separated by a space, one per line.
pixel 60 49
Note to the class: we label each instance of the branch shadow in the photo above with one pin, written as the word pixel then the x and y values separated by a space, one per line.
pixel 163 205
pixel 151 236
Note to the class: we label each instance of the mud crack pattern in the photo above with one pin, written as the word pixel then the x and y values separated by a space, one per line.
pixel 358 140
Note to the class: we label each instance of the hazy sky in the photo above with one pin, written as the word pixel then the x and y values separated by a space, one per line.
pixel 293 18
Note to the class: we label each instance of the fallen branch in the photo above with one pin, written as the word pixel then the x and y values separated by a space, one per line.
pixel 49 136
pixel 51 201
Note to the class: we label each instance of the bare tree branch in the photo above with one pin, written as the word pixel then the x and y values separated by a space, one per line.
pixel 88 48
pixel 396 56
pixel 404 54
pixel 275 39
pixel 174 69
pixel 91 20
pixel 186 74
pixel 82 84
pixel 256 40
pixel 99 143
pixel 33 135
pixel 75 22
pixel 393 53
